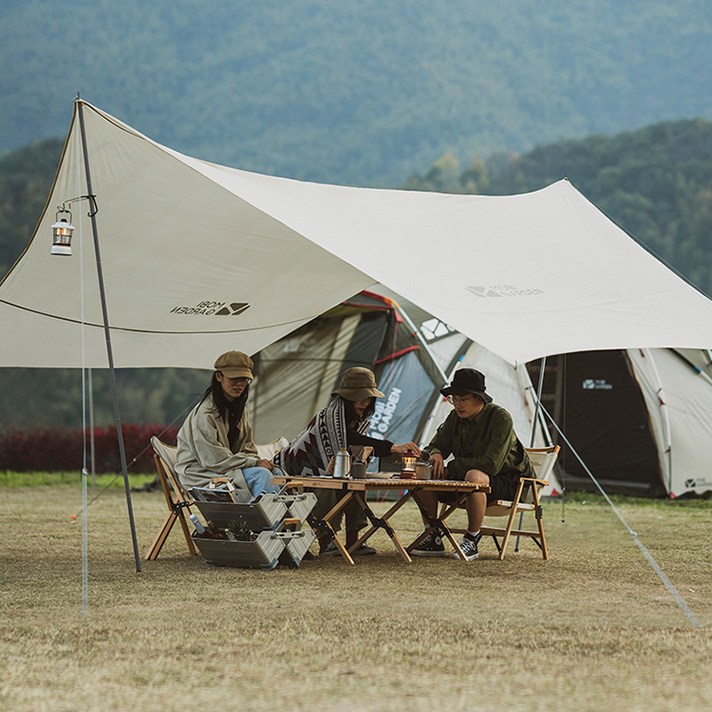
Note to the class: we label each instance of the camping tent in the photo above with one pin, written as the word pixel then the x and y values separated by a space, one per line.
pixel 297 374
pixel 370 329
pixel 641 419
pixel 199 258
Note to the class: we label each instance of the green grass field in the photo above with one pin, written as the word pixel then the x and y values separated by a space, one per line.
pixel 590 629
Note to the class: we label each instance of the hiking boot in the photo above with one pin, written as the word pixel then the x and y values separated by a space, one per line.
pixel 432 545
pixel 469 546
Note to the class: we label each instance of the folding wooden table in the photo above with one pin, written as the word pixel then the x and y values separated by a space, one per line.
pixel 357 489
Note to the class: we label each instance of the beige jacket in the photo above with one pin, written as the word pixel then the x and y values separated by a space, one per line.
pixel 204 451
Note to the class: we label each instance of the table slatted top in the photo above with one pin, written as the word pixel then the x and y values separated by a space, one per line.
pixel 327 482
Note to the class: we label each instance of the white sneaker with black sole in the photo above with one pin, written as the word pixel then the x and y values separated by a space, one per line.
pixel 468 544
pixel 432 545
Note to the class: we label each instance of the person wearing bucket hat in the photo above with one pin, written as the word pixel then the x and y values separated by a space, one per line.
pixel 215 439
pixel 480 437
pixel 341 424
pixel 467 380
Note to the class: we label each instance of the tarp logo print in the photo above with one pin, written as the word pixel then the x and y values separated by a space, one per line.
pixel 504 290
pixel 208 308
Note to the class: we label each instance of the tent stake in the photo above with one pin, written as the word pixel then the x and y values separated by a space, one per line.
pixel 107 335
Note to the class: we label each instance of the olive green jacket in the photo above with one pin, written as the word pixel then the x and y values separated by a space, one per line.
pixel 485 442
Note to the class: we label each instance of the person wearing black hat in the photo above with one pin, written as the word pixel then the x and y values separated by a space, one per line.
pixel 485 449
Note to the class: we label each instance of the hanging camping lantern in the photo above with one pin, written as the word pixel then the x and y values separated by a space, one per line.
pixel 408 462
pixel 62 231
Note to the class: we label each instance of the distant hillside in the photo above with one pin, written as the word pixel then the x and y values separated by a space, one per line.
pixel 26 176
pixel 362 92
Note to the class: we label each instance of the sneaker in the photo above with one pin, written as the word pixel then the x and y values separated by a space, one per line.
pixel 432 545
pixel 469 546
pixel 331 550
pixel 364 550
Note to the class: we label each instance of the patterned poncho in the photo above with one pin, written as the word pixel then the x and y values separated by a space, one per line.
pixel 310 452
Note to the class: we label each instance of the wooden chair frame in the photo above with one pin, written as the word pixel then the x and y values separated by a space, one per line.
pixel 177 500
pixel 543 460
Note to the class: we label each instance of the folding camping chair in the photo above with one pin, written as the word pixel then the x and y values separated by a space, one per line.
pixel 526 499
pixel 177 499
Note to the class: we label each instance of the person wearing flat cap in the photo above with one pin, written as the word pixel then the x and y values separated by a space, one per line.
pixel 342 424
pixel 216 438
pixel 480 437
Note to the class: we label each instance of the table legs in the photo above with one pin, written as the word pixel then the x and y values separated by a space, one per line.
pixel 323 526
pixel 437 523
pixel 382 523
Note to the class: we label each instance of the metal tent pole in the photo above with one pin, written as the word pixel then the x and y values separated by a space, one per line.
pixel 92 449
pixel 107 335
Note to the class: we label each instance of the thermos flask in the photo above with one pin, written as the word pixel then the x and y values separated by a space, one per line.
pixel 342 463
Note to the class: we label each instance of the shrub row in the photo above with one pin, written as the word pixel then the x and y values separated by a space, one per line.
pixel 61 449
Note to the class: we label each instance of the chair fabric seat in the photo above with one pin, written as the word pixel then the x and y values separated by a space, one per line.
pixel 502 507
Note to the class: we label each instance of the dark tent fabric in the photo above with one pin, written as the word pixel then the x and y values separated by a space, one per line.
pixel 607 421
pixel 640 419
pixel 297 374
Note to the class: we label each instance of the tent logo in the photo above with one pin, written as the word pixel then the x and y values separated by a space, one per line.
pixel 691 482
pixel 504 290
pixel 233 309
pixel 208 308
pixel 596 384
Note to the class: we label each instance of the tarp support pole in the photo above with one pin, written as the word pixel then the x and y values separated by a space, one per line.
pixel 107 335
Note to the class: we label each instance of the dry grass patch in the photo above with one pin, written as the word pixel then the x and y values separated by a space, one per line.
pixel 591 628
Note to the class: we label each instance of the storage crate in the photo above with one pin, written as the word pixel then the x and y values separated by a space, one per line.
pixel 266 512
pixel 300 505
pixel 262 553
pixel 296 546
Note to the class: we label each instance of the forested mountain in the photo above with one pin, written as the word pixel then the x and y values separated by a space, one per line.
pixel 361 92
pixel 656 182
pixel 25 179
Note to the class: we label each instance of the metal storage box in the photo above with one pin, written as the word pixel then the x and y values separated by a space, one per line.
pixel 266 512
pixel 296 546
pixel 299 505
pixel 262 553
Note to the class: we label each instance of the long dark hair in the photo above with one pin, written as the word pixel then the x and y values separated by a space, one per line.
pixel 227 409
pixel 352 417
